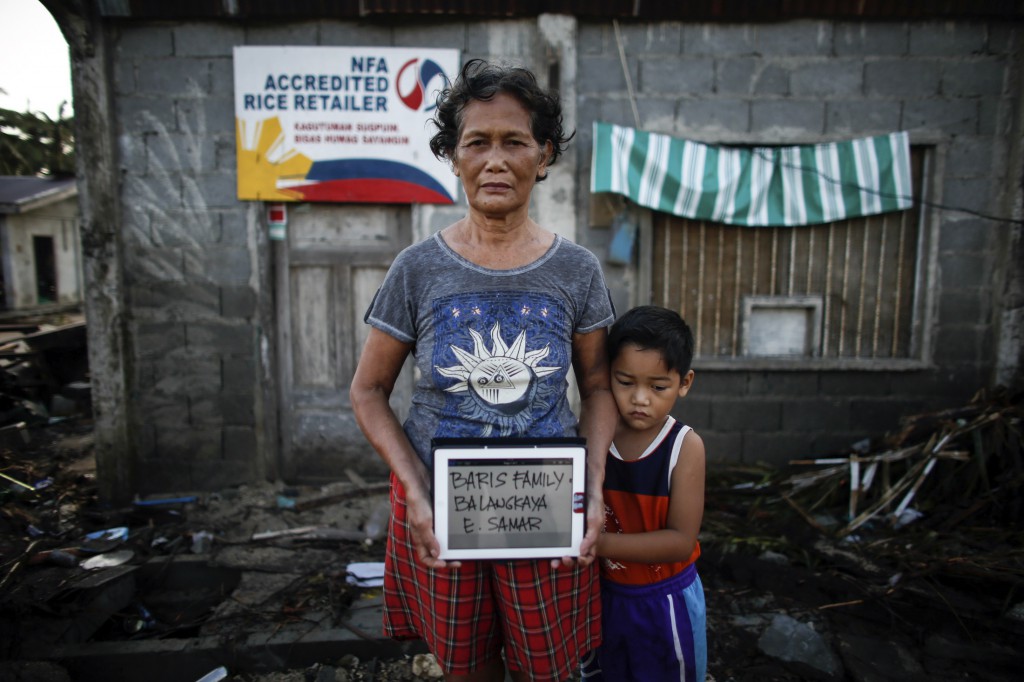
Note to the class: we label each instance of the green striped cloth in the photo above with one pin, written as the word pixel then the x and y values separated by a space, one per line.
pixel 755 186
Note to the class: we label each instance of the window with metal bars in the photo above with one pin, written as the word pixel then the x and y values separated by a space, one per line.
pixel 850 292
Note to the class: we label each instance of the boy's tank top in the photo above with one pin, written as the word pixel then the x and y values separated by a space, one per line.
pixel 636 498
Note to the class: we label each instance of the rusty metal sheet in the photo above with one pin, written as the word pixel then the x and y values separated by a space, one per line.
pixel 644 10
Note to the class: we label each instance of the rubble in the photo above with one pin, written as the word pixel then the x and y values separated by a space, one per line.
pixel 827 543
pixel 231 576
pixel 44 373
pixel 974 452
pixel 963 472
pixel 788 639
pixel 814 571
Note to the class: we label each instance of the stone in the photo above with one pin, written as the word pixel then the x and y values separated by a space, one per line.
pixel 790 640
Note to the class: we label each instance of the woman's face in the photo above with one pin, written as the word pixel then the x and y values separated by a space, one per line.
pixel 496 157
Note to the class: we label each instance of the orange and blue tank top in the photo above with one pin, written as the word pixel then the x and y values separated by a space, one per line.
pixel 636 498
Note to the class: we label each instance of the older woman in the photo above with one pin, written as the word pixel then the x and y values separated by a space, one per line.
pixel 495 283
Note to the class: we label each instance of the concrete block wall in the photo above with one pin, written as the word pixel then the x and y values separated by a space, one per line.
pixel 198 266
pixel 199 296
pixel 195 262
pixel 951 85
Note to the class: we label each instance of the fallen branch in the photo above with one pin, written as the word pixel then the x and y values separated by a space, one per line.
pixel 886 499
pixel 854 602
pixel 374 489
pixel 21 561
pixel 310 533
pixel 806 517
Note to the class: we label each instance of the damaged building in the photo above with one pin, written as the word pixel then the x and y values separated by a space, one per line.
pixel 859 359
pixel 221 354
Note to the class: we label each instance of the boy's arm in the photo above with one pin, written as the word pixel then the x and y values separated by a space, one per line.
pixel 685 512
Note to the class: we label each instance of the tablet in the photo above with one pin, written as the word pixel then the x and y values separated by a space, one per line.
pixel 509 498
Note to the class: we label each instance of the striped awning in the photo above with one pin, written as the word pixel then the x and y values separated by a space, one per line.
pixel 754 186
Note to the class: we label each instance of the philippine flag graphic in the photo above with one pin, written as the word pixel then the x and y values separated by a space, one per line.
pixel 373 181
pixel 356 118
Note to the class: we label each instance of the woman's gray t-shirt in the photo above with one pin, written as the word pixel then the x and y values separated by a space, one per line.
pixel 493 348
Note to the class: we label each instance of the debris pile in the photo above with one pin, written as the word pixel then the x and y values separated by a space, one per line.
pixel 912 544
pixel 265 558
pixel 959 466
pixel 955 478
pixel 44 374
pixel 902 558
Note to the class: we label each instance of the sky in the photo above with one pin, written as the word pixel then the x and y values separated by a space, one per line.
pixel 35 70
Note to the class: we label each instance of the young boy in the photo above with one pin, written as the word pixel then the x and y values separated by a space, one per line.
pixel 653 619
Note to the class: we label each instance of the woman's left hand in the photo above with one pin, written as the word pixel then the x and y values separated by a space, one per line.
pixel 588 547
pixel 598 417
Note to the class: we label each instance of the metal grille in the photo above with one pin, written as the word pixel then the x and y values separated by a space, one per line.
pixel 865 271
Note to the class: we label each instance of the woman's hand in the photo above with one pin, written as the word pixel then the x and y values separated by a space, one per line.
pixel 595 524
pixel 591 533
pixel 420 513
pixel 598 418
pixel 379 365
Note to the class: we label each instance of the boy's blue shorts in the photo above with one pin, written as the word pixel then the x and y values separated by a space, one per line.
pixel 651 632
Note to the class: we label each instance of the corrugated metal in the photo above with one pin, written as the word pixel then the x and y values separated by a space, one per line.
pixel 477 8
pixel 230 9
pixel 708 10
pixel 779 10
pixel 180 9
pixel 19 191
pixel 646 10
pixel 305 9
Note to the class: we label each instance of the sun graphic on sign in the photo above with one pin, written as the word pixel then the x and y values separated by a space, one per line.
pixel 501 381
pixel 262 161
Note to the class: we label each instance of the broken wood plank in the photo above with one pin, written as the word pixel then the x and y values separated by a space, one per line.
pixel 373 489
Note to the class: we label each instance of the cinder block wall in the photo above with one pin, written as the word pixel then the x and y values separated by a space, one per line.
pixel 950 85
pixel 198 280
pixel 195 261
pixel 198 273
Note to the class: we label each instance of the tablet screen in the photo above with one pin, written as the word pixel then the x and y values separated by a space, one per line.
pixel 509 498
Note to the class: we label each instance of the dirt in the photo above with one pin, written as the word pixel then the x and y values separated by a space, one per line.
pixel 787 597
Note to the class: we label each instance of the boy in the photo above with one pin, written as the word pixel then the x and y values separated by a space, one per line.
pixel 653 619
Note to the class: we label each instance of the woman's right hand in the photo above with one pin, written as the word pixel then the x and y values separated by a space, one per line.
pixel 379 365
pixel 420 513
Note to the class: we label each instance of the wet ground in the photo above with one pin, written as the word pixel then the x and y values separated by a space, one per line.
pixel 790 596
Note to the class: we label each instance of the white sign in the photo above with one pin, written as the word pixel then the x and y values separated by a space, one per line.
pixel 340 124
pixel 509 498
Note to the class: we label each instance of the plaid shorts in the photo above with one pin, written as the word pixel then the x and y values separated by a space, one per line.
pixel 544 620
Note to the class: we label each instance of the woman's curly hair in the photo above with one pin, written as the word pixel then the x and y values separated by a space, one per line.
pixel 481 81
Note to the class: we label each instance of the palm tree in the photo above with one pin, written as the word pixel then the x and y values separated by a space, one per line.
pixel 35 144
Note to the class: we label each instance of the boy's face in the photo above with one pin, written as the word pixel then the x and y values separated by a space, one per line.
pixel 645 389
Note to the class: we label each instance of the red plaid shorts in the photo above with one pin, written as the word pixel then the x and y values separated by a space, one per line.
pixel 545 620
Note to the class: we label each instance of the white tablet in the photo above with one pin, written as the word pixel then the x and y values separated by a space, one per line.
pixel 509 498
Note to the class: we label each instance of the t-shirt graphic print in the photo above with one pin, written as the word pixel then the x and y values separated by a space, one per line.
pixel 501 360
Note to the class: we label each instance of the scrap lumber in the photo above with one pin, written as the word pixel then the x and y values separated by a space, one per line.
pixel 334 498
pixel 977 447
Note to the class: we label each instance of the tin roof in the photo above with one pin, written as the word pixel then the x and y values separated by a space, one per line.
pixel 666 10
pixel 20 193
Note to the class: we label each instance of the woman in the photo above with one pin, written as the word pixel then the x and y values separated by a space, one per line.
pixel 494 286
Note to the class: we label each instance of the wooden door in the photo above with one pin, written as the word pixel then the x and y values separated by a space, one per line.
pixel 327 271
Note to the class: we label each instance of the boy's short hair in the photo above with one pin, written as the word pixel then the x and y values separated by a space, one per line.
pixel 654 328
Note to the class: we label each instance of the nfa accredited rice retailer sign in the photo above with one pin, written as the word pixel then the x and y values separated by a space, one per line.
pixel 340 124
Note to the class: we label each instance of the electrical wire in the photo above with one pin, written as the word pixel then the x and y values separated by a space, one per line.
pixel 759 151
